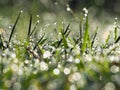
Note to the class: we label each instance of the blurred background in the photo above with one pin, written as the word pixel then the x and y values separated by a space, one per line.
pixel 101 12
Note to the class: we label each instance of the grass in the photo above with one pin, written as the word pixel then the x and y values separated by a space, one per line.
pixel 78 62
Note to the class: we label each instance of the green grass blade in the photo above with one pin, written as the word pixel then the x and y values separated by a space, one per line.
pixel 59 42
pixel 93 40
pixel 85 37
pixel 64 41
pixel 1 42
pixel 65 34
pixel 13 29
pixel 34 29
pixel 30 23
pixel 66 29
pixel 39 41
pixel 115 33
pixel 80 36
pixel 117 39
pixel 108 38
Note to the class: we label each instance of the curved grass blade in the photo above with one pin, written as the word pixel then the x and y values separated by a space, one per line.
pixel 39 41
pixel 13 29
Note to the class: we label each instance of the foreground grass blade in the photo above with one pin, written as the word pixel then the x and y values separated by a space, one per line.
pixel 30 23
pixel 117 39
pixel 39 41
pixel 13 29
pixel 85 37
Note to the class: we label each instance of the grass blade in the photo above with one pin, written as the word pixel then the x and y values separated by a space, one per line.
pixel 64 41
pixel 64 34
pixel 117 39
pixel 30 23
pixel 80 36
pixel 39 41
pixel 93 40
pixel 13 29
pixel 66 29
pixel 1 42
pixel 59 42
pixel 34 29
pixel 85 37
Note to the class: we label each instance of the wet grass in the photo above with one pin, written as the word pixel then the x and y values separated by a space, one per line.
pixel 78 62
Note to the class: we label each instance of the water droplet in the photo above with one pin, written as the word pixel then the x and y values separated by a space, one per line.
pixel 66 71
pixel 68 8
pixel 114 69
pixel 56 71
pixel 38 21
pixel 85 10
pixel 21 11
pixel 10 26
pixel 37 16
